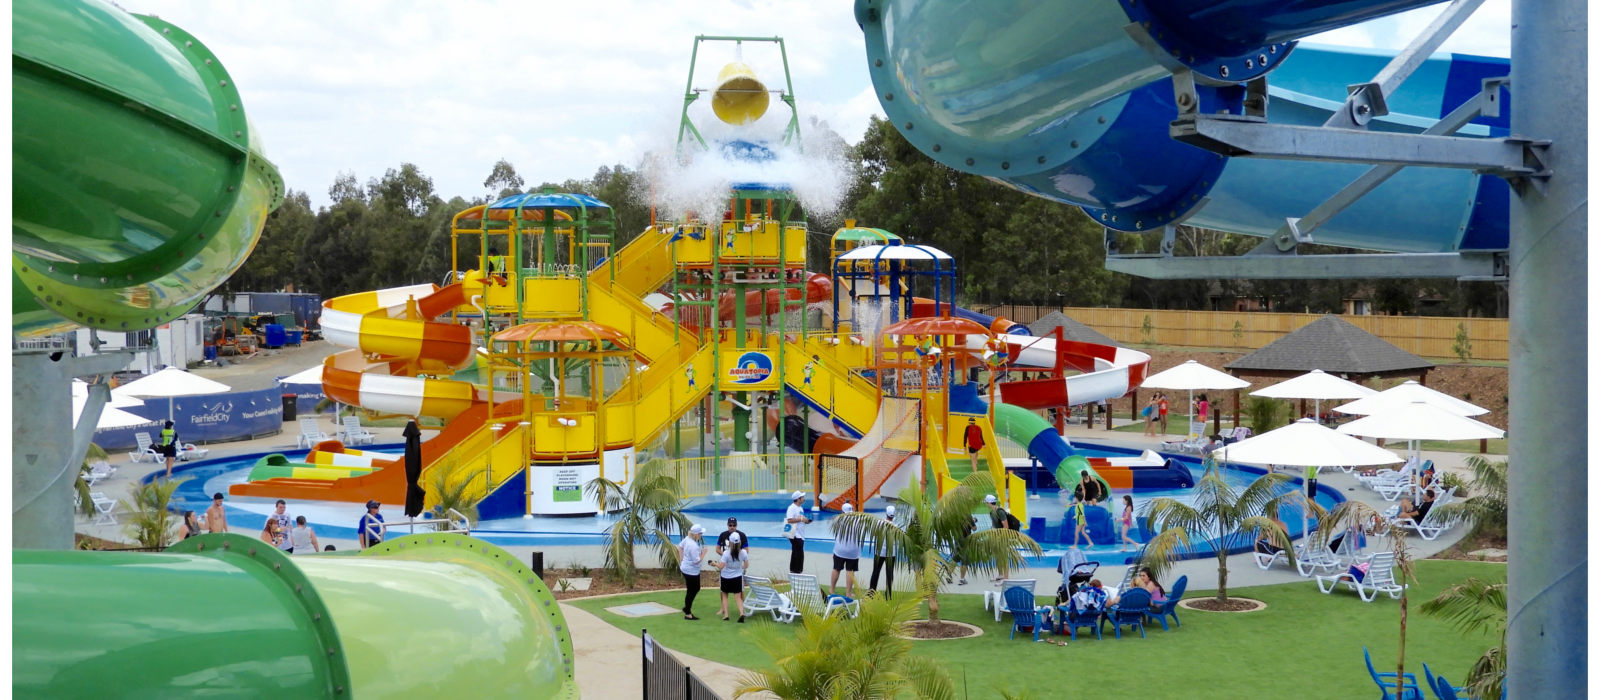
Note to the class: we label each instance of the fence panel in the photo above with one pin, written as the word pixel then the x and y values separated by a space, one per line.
pixel 744 474
pixel 666 678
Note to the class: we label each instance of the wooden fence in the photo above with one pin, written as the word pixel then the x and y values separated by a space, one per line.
pixel 1427 336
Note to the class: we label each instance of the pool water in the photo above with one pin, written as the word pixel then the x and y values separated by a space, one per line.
pixel 759 515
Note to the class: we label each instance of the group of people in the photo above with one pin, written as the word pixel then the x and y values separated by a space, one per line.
pixel 1156 409
pixel 290 535
pixel 731 559
pixel 1089 491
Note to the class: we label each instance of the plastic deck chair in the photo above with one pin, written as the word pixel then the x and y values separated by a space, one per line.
pixel 188 451
pixel 354 434
pixel 1072 618
pixel 1441 688
pixel 1170 607
pixel 1378 579
pixel 997 594
pixel 1024 615
pixel 98 471
pixel 762 597
pixel 310 433
pixel 104 507
pixel 1393 690
pixel 807 594
pixel 146 449
pixel 1129 610
pixel 1433 524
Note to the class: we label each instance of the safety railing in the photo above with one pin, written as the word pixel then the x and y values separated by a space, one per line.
pixel 744 473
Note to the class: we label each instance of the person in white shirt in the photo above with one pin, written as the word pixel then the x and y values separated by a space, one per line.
pixel 881 562
pixel 794 526
pixel 691 552
pixel 302 539
pixel 846 558
pixel 732 566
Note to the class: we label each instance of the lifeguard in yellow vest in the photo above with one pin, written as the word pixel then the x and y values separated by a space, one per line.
pixel 168 445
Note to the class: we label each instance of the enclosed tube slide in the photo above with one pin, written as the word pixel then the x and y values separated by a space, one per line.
pixel 997 324
pixel 418 616
pixel 139 184
pixel 1106 371
pixel 1025 427
pixel 1061 100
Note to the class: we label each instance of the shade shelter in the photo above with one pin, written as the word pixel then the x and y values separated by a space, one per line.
pixel 169 384
pixel 309 375
pixel 1334 346
pixel 1191 376
pixel 1315 385
pixel 1071 329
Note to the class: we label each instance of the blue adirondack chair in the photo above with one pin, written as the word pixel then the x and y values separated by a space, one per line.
pixel 1170 608
pixel 1129 610
pixel 1441 687
pixel 1024 615
pixel 1405 689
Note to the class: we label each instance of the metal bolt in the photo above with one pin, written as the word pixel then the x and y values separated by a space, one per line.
pixel 104 280
pixel 937 148
pixel 237 134
pixel 909 126
pixel 208 61
pixel 1272 49
pixel 888 96
pixel 233 108
pixel 1224 71
pixel 1261 59
pixel 1041 160
pixel 1363 110
pixel 76 276
pixel 1249 63
pixel 878 62
pixel 969 161
pixel 1100 119
pixel 187 44
pixel 1005 165
pixel 1074 144
pixel 223 83
pixel 1138 224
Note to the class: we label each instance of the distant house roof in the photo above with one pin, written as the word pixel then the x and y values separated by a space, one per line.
pixel 1332 345
pixel 1070 329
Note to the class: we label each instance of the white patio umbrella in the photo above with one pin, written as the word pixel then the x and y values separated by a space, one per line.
pixel 1315 385
pixel 1420 420
pixel 80 390
pixel 1406 393
pixel 1190 376
pixel 170 383
pixel 309 375
pixel 1306 443
pixel 109 417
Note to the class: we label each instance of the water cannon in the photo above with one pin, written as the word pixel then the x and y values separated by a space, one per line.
pixel 740 97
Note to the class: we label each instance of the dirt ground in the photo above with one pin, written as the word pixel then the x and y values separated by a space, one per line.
pixel 1485 386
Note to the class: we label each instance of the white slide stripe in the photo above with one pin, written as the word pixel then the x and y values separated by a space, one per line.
pixel 341 328
pixel 388 394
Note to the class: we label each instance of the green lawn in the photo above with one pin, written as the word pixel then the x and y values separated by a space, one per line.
pixel 1304 644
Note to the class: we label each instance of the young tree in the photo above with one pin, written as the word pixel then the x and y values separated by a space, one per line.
pixel 1356 516
pixel 1477 606
pixel 649 510
pixel 933 527
pixel 503 179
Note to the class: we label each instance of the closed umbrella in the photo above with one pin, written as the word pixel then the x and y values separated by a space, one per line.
pixel 1191 376
pixel 170 383
pixel 1409 392
pixel 1315 385
pixel 415 495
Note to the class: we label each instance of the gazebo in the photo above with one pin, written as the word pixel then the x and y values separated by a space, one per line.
pixel 1332 345
pixel 1071 329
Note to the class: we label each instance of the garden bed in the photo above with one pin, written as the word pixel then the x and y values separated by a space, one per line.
pixel 1215 605
pixel 605 582
pixel 926 630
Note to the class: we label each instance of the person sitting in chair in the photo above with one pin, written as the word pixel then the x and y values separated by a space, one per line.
pixel 1417 513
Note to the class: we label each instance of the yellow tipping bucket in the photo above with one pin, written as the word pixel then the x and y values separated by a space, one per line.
pixel 740 98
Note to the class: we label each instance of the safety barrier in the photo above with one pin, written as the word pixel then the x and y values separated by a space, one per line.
pixel 744 474
pixel 666 678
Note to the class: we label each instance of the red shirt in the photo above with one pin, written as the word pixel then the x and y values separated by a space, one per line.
pixel 1162 405
pixel 974 436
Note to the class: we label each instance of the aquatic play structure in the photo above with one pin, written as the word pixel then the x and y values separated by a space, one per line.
pixel 1153 112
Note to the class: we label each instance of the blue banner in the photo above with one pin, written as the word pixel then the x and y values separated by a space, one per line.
pixel 306 396
pixel 237 415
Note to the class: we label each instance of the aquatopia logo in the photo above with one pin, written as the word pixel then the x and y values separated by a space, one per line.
pixel 752 367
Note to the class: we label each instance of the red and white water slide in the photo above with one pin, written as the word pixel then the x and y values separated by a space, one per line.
pixel 1106 371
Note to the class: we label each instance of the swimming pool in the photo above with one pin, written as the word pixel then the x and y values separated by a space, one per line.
pixel 759 515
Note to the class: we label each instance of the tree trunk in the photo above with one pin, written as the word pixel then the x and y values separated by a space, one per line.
pixel 1400 664
pixel 933 609
pixel 1222 577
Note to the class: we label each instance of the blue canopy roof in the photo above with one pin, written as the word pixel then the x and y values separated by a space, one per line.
pixel 759 187
pixel 540 200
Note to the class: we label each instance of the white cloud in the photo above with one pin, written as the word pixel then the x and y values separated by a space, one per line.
pixel 1486 33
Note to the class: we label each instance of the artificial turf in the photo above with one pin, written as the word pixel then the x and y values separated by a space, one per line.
pixel 1305 644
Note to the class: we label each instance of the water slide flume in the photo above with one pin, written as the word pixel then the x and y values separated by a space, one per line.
pixel 1072 101
pixel 250 620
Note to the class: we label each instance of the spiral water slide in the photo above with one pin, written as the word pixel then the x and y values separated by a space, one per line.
pixel 1072 101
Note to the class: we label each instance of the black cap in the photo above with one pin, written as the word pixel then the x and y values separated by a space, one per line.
pixel 733 521
pixel 372 504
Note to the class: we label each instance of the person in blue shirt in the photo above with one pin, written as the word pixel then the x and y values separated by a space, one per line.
pixel 370 529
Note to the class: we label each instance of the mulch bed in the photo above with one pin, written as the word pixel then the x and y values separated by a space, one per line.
pixel 603 582
pixel 1462 550
pixel 923 629
pixel 1231 605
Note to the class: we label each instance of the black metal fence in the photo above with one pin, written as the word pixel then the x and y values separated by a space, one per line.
pixel 666 678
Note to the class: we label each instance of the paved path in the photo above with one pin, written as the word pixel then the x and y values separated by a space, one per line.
pixel 609 660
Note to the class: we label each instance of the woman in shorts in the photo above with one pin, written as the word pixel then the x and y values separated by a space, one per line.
pixel 732 566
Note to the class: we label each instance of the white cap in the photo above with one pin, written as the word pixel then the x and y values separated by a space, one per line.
pixel 697 530
pixel 797 495
pixel 733 538
pixel 849 508
pixel 889 511
pixel 990 499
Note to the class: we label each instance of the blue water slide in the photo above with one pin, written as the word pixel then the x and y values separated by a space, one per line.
pixel 1062 101
pixel 988 321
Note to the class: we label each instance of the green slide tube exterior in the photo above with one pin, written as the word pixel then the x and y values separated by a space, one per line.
pixel 1024 427
pixel 428 615
pixel 138 183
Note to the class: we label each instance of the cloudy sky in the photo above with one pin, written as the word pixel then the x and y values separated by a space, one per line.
pixel 557 88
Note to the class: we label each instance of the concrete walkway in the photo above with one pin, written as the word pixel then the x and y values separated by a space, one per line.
pixel 609 660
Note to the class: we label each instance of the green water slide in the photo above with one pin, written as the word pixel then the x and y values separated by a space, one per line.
pixel 1028 429
pixel 432 615
pixel 138 183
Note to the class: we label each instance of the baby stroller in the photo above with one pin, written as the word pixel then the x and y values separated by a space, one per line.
pixel 1076 570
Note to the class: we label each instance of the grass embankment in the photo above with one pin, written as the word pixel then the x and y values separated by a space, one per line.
pixel 1303 640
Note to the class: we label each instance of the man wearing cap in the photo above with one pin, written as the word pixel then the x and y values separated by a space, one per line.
pixel 999 521
pixel 882 562
pixel 846 558
pixel 794 527
pixel 722 539
pixel 370 529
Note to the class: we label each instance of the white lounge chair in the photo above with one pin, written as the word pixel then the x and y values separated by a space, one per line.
pixel 997 595
pixel 354 434
pixel 146 449
pixel 1378 579
pixel 310 433
pixel 188 451
pixel 1192 445
pixel 760 596
pixel 1433 524
pixel 807 594
pixel 104 508
pixel 99 471
pixel 1309 559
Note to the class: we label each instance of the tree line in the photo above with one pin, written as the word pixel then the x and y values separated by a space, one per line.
pixel 1010 248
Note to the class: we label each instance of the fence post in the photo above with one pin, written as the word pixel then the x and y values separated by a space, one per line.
pixel 644 663
pixel 688 684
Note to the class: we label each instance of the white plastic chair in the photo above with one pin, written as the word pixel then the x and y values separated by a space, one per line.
pixel 146 449
pixel 762 597
pixel 1379 579
pixel 104 507
pixel 310 433
pixel 99 471
pixel 188 451
pixel 354 434
pixel 997 596
pixel 806 593
pixel 1433 524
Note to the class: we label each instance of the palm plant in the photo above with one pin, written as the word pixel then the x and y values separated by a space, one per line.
pixel 649 510
pixel 85 501
pixel 1221 517
pixel 1486 509
pixel 1355 516
pixel 1472 606
pixel 861 658
pixel 933 528
pixel 152 520
pixel 448 491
